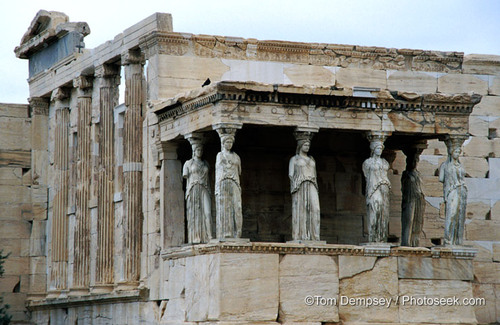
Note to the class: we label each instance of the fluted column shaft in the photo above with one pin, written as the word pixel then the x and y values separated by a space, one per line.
pixel 59 229
pixel 81 275
pixel 108 99
pixel 132 166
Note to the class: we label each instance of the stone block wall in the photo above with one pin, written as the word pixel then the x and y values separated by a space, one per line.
pixel 275 285
pixel 17 220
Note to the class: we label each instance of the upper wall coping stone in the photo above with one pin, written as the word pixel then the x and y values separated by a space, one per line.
pixel 380 58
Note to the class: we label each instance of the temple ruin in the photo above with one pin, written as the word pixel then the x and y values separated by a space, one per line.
pixel 97 215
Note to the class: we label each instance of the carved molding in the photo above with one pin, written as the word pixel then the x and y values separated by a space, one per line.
pixel 320 249
pixel 249 93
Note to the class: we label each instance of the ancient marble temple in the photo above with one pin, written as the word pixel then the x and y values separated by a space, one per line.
pixel 297 187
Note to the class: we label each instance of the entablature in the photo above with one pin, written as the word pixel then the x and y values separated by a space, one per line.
pixel 358 109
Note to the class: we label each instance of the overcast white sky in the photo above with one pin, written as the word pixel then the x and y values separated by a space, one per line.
pixel 470 26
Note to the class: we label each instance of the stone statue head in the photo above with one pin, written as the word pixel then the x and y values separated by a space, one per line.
pixel 197 150
pixel 227 141
pixel 454 148
pixel 376 147
pixel 301 143
pixel 302 138
pixel 196 146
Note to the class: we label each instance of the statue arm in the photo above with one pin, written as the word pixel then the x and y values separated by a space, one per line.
pixel 238 164
pixel 365 167
pixel 291 168
pixel 441 173
pixel 185 170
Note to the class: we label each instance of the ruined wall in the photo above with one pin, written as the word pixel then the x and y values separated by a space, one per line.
pixel 16 217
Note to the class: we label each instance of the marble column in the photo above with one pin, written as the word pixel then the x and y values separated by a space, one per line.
pixel 132 167
pixel 198 194
pixel 81 268
pixel 59 222
pixel 39 111
pixel 304 189
pixel 452 175
pixel 229 217
pixel 107 81
pixel 171 196
pixel 378 188
pixel 413 197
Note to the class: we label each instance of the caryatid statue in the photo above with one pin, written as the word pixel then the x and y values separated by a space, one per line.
pixel 413 198
pixel 304 189
pixel 452 174
pixel 378 188
pixel 229 217
pixel 198 201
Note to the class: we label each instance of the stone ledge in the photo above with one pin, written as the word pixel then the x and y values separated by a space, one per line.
pixel 91 299
pixel 315 249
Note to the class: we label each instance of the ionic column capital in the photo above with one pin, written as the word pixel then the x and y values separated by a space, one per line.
pixel 82 82
pixel 106 71
pixel 59 94
pixel 133 57
pixel 84 85
pixel 39 106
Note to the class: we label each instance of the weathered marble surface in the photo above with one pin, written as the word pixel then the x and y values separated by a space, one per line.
pixel 349 266
pixel 437 269
pixel 301 276
pixel 381 281
pixel 437 313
